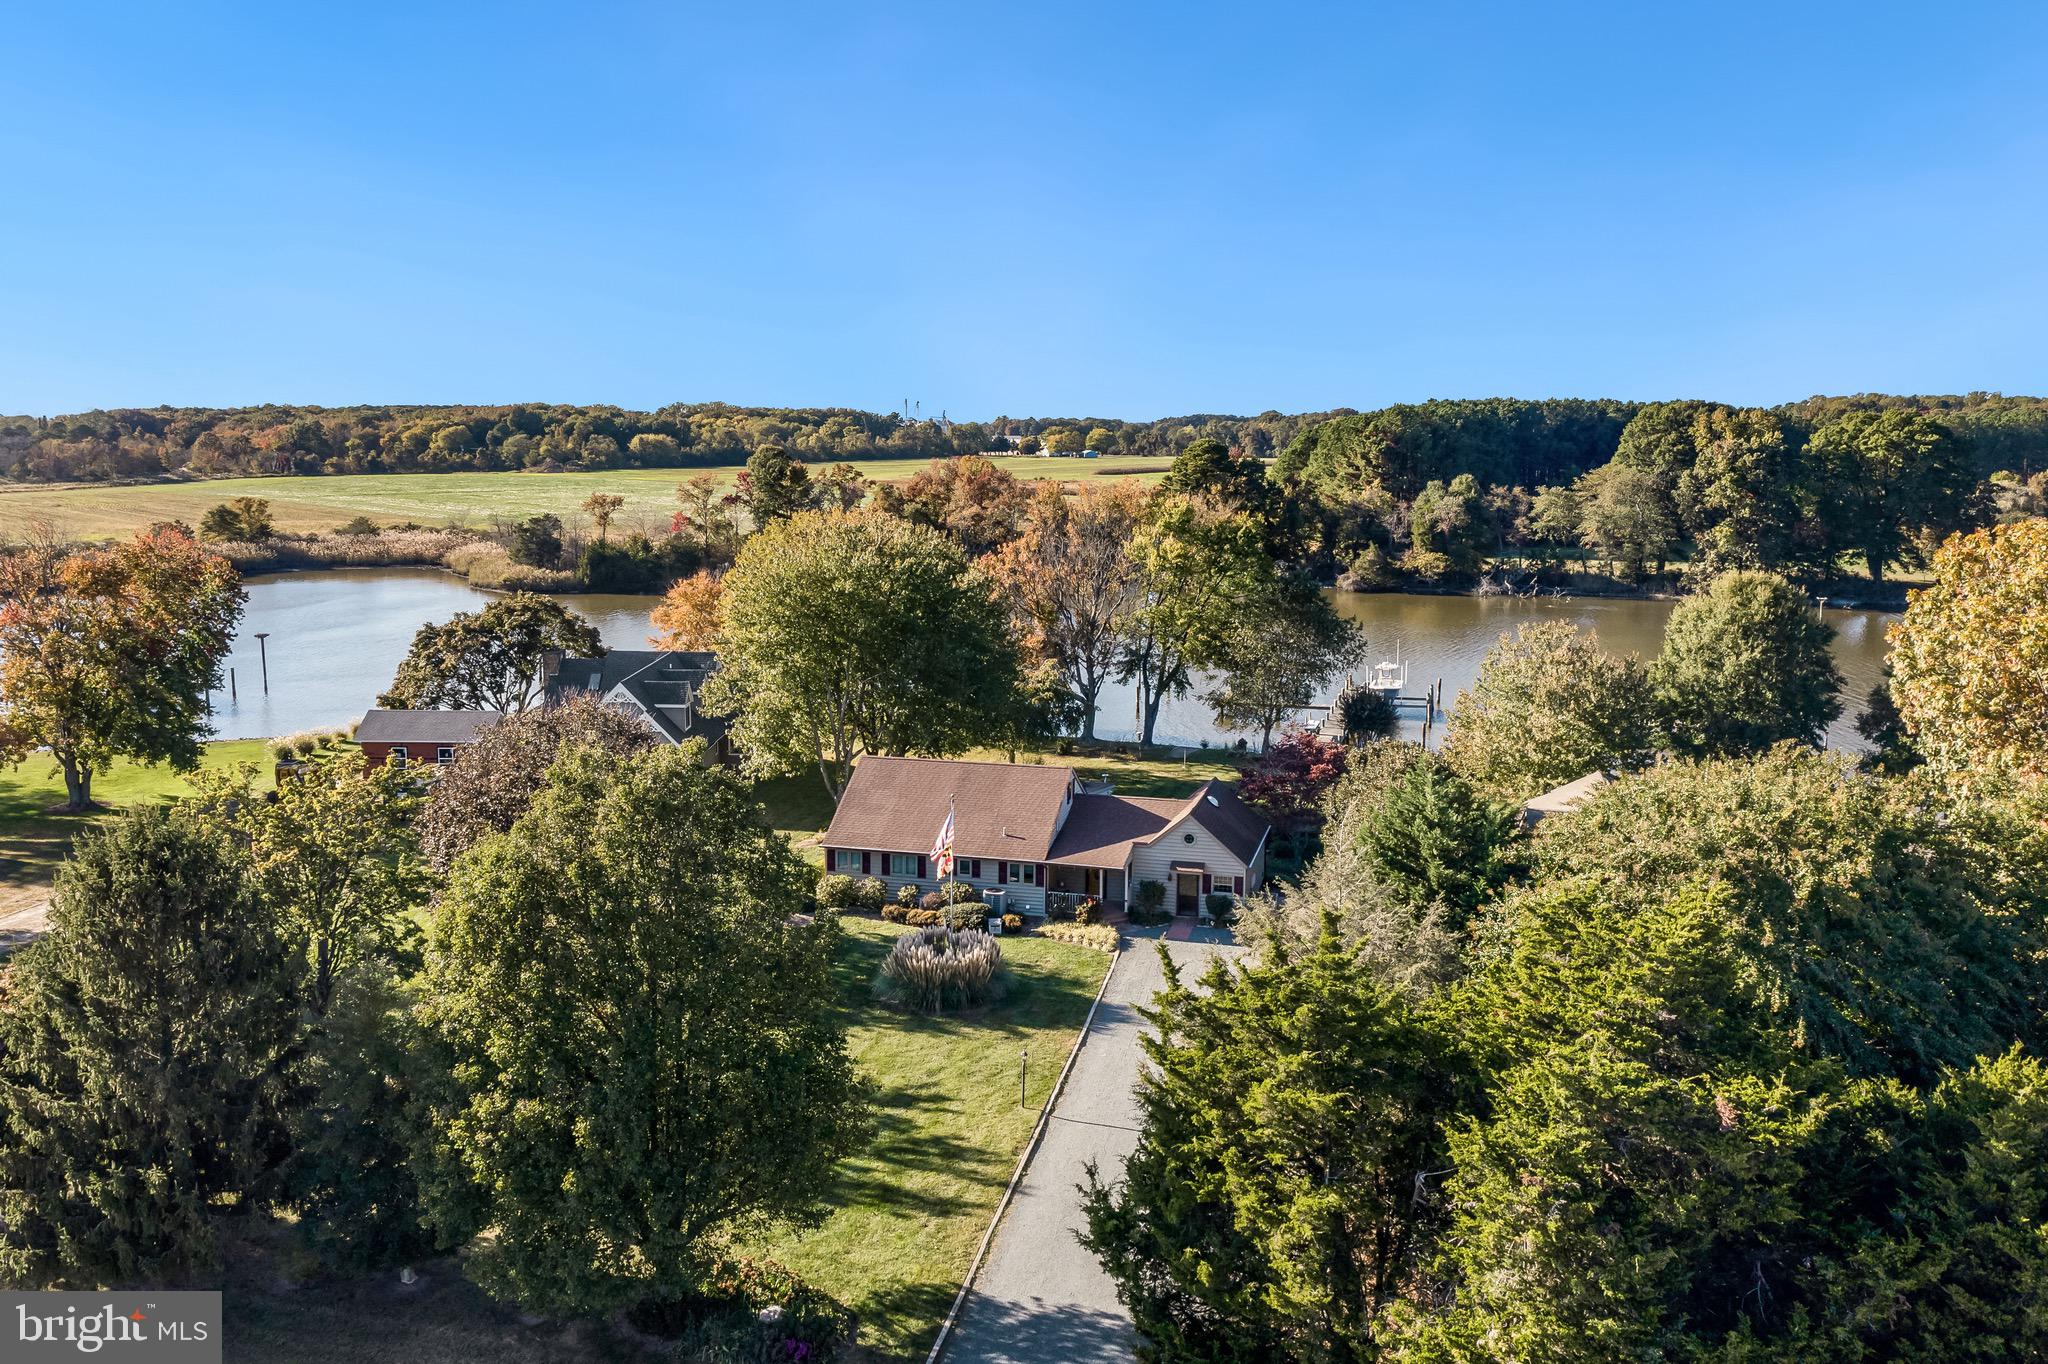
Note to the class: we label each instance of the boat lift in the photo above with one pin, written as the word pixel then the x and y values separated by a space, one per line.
pixel 1389 678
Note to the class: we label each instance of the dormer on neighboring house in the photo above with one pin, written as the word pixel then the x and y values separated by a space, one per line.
pixel 659 687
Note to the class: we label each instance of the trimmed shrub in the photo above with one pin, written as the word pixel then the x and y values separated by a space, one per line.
pixel 869 894
pixel 1221 906
pixel 1087 912
pixel 1369 715
pixel 965 915
pixel 1013 923
pixel 959 893
pixel 895 913
pixel 936 967
pixel 1151 896
pixel 923 918
pixel 748 1311
pixel 906 896
pixel 1101 937
pixel 931 899
pixel 836 891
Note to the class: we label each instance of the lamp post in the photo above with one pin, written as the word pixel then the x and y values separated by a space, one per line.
pixel 263 656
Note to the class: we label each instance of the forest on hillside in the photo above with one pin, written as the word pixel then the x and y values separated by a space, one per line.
pixel 141 443
pixel 1505 441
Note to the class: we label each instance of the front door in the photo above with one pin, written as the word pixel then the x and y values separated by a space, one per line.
pixel 1187 892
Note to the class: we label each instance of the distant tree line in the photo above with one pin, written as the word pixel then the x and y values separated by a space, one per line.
pixel 1439 491
pixel 1501 442
pixel 228 442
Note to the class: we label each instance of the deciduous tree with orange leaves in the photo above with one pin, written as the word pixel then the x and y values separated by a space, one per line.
pixel 1069 582
pixel 688 615
pixel 1970 656
pixel 109 653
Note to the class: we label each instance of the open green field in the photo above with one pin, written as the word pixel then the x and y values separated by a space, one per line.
pixel 902 1220
pixel 34 833
pixel 90 511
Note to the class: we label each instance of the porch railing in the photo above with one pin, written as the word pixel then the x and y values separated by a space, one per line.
pixel 1063 903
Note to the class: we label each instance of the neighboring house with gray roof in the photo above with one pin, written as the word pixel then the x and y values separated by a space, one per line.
pixel 1028 834
pixel 419 736
pixel 660 687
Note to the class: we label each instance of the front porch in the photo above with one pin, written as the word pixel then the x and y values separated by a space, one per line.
pixel 1066 888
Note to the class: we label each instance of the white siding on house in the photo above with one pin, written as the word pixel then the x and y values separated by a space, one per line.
pixel 1154 861
pixel 1020 899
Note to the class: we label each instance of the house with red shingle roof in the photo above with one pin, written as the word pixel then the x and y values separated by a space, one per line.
pixel 1032 838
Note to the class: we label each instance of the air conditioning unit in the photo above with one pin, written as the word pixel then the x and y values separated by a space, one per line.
pixel 997 903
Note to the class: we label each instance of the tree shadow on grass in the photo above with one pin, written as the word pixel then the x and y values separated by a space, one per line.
pixel 899 1320
pixel 905 1145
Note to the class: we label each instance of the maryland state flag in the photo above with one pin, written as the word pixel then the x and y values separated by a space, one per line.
pixel 942 847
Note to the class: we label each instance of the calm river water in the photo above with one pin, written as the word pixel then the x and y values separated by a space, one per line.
pixel 336 638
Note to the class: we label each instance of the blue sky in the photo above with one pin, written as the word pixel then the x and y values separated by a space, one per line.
pixel 1103 209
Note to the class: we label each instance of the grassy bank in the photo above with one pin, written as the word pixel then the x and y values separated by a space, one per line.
pixel 35 832
pixel 320 502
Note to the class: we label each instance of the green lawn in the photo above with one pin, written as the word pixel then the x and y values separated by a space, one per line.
pixel 906 1216
pixel 1153 772
pixel 321 502
pixel 34 832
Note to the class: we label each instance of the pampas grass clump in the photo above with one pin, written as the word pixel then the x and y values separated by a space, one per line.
pixel 932 968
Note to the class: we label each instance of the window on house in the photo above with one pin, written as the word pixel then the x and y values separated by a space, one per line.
pixel 903 864
pixel 845 860
pixel 396 755
pixel 444 754
pixel 1023 872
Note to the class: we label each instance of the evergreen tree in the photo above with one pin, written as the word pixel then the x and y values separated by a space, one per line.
pixel 357 1128
pixel 1745 664
pixel 774 486
pixel 1271 1210
pixel 645 1050
pixel 142 1049
pixel 1434 839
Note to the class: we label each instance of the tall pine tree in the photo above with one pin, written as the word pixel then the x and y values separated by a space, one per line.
pixel 141 1050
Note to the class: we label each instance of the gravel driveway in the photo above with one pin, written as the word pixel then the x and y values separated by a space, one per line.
pixel 1041 1298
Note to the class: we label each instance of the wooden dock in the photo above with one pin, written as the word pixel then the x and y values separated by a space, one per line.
pixel 1331 730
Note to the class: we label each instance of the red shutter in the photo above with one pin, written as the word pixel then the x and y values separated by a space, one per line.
pixel 867 865
pixel 1237 885
pixel 1002 873
pixel 920 867
pixel 1207 883
pixel 977 869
